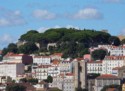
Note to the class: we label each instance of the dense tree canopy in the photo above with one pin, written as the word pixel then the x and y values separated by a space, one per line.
pixel 28 48
pixel 15 87
pixel 71 42
pixel 113 40
pixel 99 54
pixel 123 41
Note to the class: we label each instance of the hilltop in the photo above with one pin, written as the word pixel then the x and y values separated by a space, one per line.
pixel 71 42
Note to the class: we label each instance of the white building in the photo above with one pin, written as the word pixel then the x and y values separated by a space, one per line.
pixel 94 67
pixel 41 72
pixel 11 69
pixel 65 82
pixel 53 71
pixel 111 62
pixel 66 66
pixel 41 60
pixel 112 50
pixel 117 51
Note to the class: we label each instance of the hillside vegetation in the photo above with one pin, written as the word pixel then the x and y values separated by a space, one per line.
pixel 71 42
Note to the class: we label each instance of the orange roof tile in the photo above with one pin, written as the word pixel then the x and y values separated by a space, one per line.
pixel 69 74
pixel 107 76
pixel 55 62
pixel 110 89
pixel 94 62
pixel 116 68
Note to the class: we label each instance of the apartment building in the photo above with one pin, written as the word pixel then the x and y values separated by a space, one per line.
pixel 94 67
pixel 12 70
pixel 111 62
pixel 41 60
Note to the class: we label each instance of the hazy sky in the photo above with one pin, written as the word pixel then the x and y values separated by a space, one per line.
pixel 19 16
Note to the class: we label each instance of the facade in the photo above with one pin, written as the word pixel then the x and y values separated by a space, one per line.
pixel 53 71
pixel 18 58
pixel 94 67
pixel 11 69
pixel 65 82
pixel 119 71
pixel 117 50
pixel 123 87
pixel 112 50
pixel 41 72
pixel 104 80
pixel 41 60
pixel 111 62
pixel 65 66
pixel 80 73
pixel 57 56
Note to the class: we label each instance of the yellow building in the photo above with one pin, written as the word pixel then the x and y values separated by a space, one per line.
pixel 123 87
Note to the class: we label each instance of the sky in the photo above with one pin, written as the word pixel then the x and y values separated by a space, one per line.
pixel 19 16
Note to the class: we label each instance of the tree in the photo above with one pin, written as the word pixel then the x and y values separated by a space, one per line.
pixel 113 40
pixel 99 54
pixel 123 41
pixel 15 87
pixel 12 48
pixel 1 58
pixel 4 51
pixel 28 48
pixel 49 79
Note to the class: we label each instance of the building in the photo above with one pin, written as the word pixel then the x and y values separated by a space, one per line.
pixel 105 79
pixel 87 57
pixel 40 72
pixel 11 69
pixel 65 82
pixel 57 56
pixel 41 60
pixel 111 62
pixel 94 67
pixel 111 49
pixel 119 71
pixel 80 73
pixel 123 87
pixel 18 58
pixel 53 71
pixel 66 66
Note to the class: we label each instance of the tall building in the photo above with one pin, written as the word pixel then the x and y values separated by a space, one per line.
pixel 80 73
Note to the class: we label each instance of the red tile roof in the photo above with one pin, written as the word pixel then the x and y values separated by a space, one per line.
pixel 107 76
pixel 114 57
pixel 44 66
pixel 55 62
pixel 94 62
pixel 116 68
pixel 110 89
pixel 69 74
pixel 79 59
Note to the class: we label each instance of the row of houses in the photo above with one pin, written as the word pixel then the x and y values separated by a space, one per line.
pixel 68 74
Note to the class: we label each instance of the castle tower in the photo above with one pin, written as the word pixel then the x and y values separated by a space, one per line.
pixel 76 78
pixel 80 74
pixel 83 74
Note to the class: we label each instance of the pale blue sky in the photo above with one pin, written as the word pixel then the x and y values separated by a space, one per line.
pixel 19 16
